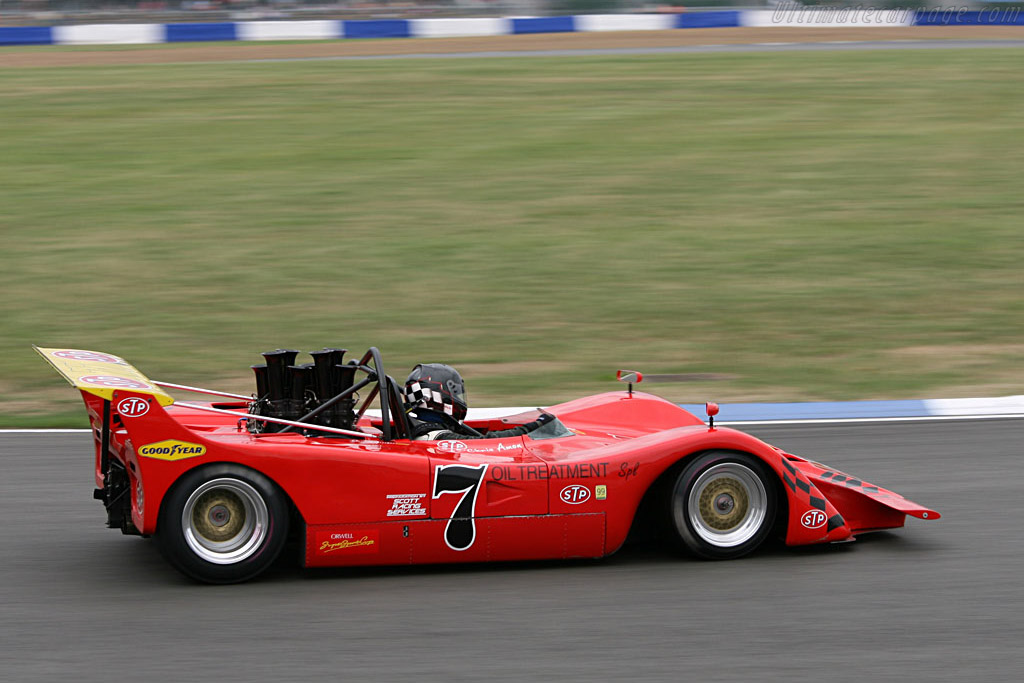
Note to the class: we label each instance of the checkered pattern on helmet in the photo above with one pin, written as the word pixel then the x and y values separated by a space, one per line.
pixel 419 396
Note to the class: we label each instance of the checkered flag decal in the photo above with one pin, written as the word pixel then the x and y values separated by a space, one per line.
pixel 814 497
pixel 419 396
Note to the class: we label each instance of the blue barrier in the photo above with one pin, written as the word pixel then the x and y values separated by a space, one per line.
pixel 544 25
pixel 189 33
pixel 835 410
pixel 376 28
pixel 994 16
pixel 723 19
pixel 404 28
pixel 26 35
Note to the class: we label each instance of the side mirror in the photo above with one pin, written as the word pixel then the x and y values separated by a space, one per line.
pixel 629 376
pixel 712 410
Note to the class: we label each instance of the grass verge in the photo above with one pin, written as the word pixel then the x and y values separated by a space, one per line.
pixel 826 226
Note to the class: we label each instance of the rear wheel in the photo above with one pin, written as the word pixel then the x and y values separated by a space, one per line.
pixel 723 505
pixel 223 524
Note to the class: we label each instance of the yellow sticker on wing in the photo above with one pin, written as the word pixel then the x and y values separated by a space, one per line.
pixel 101 374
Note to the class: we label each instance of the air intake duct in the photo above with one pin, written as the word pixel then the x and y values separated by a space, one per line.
pixel 277 361
pixel 289 391
pixel 261 380
pixel 332 378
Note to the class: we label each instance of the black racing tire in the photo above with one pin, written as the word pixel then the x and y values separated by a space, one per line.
pixel 223 524
pixel 723 505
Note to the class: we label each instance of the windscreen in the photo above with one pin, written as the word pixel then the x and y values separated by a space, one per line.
pixel 552 430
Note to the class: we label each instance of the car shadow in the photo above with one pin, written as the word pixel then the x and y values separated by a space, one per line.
pixel 147 561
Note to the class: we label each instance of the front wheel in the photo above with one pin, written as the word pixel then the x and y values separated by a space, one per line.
pixel 723 505
pixel 223 524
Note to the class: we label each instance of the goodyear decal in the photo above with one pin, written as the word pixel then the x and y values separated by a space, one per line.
pixel 172 450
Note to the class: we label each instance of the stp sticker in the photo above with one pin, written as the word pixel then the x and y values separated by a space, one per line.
pixel 133 407
pixel 91 356
pixel 450 446
pixel 575 494
pixel 113 381
pixel 813 519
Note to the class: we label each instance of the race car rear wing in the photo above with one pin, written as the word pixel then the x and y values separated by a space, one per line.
pixel 101 374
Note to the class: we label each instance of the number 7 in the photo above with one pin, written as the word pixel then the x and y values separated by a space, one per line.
pixel 460 532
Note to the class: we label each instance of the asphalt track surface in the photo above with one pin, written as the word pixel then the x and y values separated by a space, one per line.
pixel 935 601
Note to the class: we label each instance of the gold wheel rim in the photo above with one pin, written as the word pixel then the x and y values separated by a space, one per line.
pixel 727 505
pixel 219 515
pixel 225 521
pixel 723 503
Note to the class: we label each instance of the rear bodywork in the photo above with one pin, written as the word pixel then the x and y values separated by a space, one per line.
pixel 372 500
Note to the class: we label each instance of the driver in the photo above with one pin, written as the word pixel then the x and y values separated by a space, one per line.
pixel 435 401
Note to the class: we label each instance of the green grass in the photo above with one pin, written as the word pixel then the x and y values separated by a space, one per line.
pixel 814 226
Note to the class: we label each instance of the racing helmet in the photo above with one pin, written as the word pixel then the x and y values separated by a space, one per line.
pixel 437 387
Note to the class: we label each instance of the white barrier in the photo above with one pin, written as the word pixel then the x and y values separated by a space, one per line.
pixel 625 22
pixel 458 28
pixel 327 29
pixel 108 34
pixel 1006 405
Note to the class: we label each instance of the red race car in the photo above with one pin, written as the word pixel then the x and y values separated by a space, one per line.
pixel 322 453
